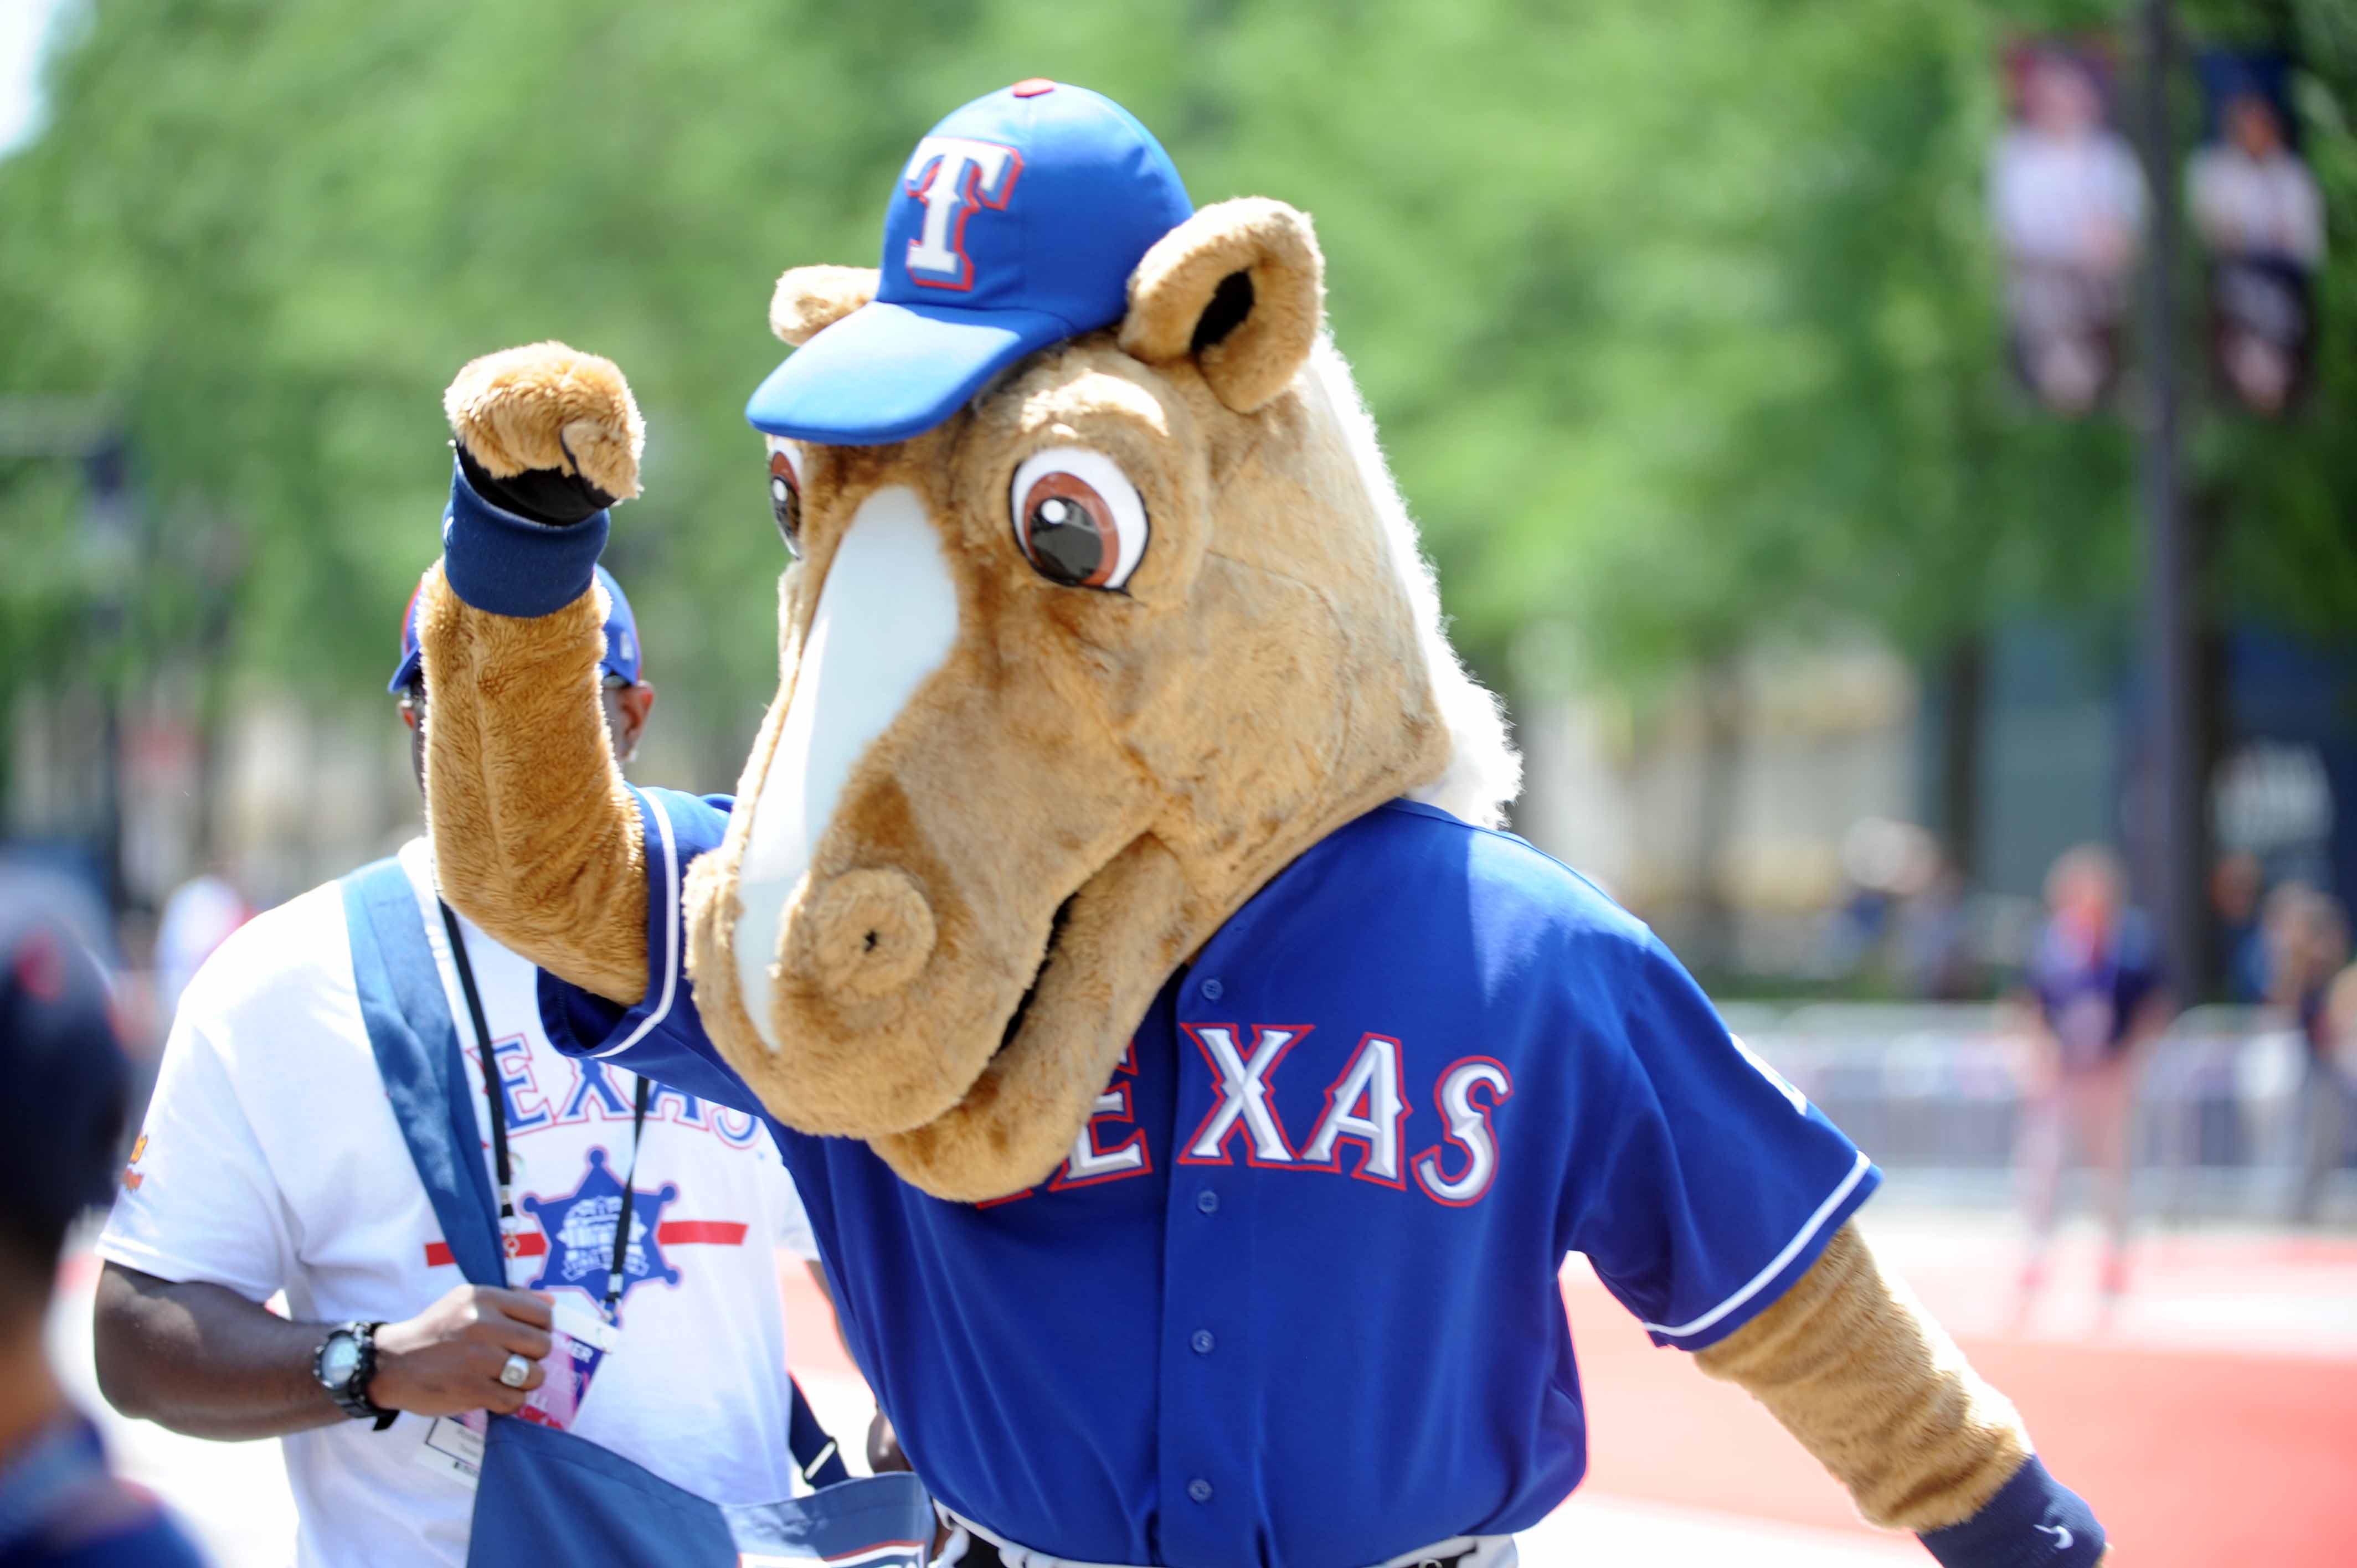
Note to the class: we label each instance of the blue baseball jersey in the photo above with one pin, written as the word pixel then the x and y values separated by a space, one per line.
pixel 2091 993
pixel 60 1507
pixel 1293 1297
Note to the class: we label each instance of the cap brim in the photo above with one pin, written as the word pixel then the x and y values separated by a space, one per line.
pixel 886 373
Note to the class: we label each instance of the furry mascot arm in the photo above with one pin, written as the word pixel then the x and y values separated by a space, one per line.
pixel 535 838
pixel 1852 1366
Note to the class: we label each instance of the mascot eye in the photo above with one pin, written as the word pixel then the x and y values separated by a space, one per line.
pixel 1078 519
pixel 786 497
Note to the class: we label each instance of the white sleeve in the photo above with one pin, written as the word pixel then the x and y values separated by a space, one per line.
pixel 199 1201
pixel 794 1233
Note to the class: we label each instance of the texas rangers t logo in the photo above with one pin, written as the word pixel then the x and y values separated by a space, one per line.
pixel 953 176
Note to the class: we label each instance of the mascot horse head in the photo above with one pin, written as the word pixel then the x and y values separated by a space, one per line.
pixel 1101 608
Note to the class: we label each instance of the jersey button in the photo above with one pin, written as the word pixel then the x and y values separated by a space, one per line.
pixel 1202 1341
pixel 1199 1489
pixel 1208 1201
pixel 1213 989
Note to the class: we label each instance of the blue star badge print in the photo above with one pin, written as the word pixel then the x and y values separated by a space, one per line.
pixel 580 1230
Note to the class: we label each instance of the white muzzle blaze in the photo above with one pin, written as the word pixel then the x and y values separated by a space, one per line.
pixel 886 619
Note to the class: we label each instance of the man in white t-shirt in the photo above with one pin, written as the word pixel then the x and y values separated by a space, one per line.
pixel 271 1161
pixel 2250 195
pixel 2068 200
pixel 2259 211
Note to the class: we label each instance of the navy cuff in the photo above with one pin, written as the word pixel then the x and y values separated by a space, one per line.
pixel 511 566
pixel 2034 1522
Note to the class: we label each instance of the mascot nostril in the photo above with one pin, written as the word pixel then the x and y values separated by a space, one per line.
pixel 868 935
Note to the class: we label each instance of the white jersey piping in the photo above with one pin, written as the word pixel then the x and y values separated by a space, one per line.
pixel 670 891
pixel 1759 1282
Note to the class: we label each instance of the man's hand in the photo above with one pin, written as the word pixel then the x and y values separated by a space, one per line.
pixel 883 1454
pixel 446 1359
pixel 204 1360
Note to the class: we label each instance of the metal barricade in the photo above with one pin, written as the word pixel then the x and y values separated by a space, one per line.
pixel 1937 1090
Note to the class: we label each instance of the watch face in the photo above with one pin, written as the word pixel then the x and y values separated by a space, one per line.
pixel 340 1360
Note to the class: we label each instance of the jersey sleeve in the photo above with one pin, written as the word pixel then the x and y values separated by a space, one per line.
pixel 198 1202
pixel 1707 1183
pixel 662 1037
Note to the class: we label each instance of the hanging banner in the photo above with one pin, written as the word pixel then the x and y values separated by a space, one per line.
pixel 2068 201
pixel 2260 219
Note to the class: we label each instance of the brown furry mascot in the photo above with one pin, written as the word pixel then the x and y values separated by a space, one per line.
pixel 1194 1094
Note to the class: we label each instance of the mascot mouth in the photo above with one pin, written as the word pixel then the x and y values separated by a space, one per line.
pixel 1108 945
pixel 1023 1003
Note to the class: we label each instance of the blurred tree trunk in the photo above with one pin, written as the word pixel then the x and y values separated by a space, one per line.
pixel 1963 698
pixel 211 716
pixel 2214 725
pixel 1721 759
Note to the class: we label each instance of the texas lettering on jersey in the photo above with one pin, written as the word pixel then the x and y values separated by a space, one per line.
pixel 569 1235
pixel 1360 1133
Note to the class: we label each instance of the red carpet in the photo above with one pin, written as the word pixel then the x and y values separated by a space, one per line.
pixel 2192 1460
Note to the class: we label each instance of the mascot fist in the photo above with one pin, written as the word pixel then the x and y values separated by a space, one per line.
pixel 547 432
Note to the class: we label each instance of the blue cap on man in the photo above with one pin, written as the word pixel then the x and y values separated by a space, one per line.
pixel 1015 224
pixel 622 652
pixel 69 1082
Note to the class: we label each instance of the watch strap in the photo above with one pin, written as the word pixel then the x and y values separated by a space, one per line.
pixel 350 1392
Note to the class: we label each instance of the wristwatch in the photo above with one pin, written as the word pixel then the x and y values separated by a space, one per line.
pixel 345 1364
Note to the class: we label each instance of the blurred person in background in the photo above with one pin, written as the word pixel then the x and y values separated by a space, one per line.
pixel 66 892
pixel 2068 201
pixel 2257 209
pixel 60 1136
pixel 1886 864
pixel 2308 947
pixel 2250 195
pixel 198 916
pixel 1936 960
pixel 272 1159
pixel 2102 997
pixel 2235 884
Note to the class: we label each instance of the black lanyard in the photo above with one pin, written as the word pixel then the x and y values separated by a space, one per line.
pixel 496 1104
pixel 614 1279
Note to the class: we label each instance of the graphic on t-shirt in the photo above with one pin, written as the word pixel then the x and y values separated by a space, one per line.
pixel 580 1231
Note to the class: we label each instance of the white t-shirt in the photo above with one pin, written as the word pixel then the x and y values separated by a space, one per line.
pixel 2052 194
pixel 2256 207
pixel 271 1160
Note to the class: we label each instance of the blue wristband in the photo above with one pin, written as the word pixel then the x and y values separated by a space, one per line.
pixel 2034 1522
pixel 511 566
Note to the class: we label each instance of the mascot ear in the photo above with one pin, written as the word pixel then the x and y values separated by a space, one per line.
pixel 1239 289
pixel 811 298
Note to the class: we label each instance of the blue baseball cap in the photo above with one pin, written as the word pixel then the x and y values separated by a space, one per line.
pixel 622 648
pixel 69 1083
pixel 1015 224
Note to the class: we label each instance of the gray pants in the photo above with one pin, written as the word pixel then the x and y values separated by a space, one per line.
pixel 2087 1108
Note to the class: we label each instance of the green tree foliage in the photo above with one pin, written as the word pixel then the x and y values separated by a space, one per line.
pixel 1678 314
